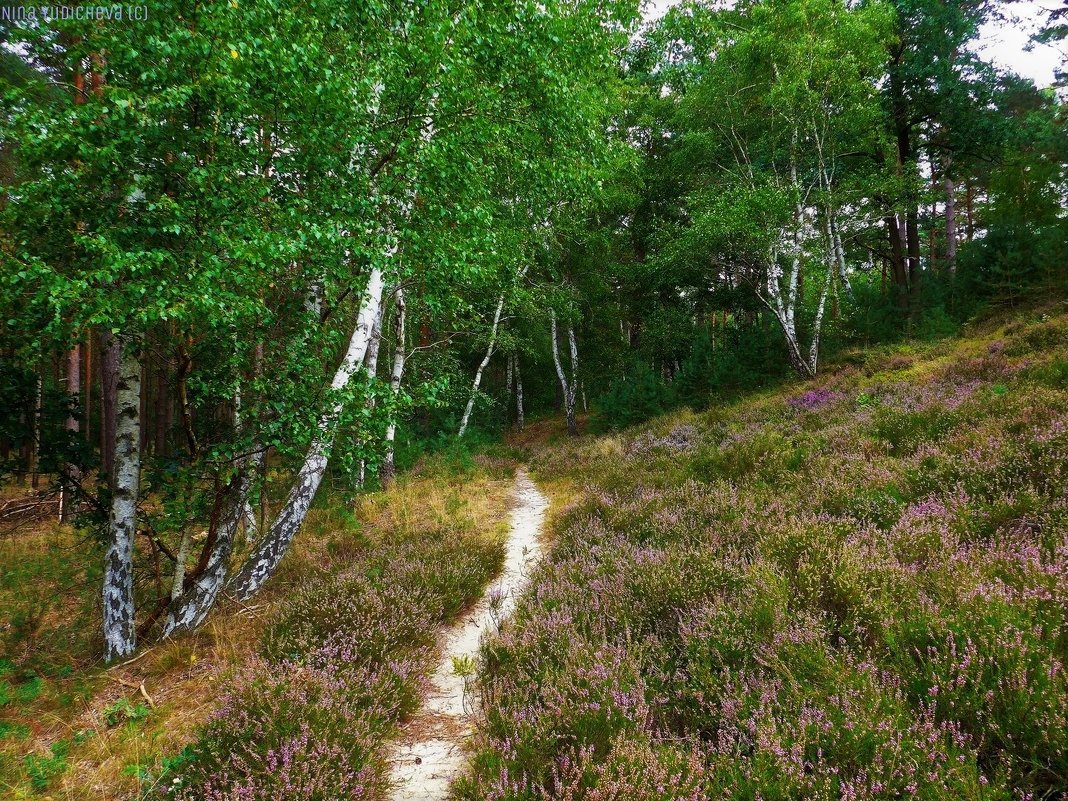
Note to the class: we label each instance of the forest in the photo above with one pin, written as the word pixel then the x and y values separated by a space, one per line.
pixel 530 401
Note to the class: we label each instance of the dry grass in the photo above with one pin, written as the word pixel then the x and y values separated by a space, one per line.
pixel 80 706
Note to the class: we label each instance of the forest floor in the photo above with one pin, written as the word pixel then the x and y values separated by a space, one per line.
pixel 72 729
pixel 851 587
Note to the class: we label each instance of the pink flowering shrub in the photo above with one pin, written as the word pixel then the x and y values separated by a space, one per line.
pixel 342 662
pixel 848 593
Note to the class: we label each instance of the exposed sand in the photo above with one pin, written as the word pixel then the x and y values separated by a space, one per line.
pixel 430 752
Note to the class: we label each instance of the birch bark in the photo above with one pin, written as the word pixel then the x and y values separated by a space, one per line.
pixel 372 371
pixel 263 560
pixel 389 469
pixel 120 636
pixel 518 395
pixel 566 387
pixel 481 367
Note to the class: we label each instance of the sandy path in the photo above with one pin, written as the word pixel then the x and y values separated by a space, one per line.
pixel 430 751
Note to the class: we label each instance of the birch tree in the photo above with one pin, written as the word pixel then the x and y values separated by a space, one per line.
pixel 568 384
pixel 773 115
pixel 490 345
pixel 120 635
pixel 389 469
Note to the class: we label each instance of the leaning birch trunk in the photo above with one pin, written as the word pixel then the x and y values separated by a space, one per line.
pixel 481 367
pixel 120 634
pixel 190 606
pixel 518 395
pixel 784 314
pixel 262 562
pixel 389 468
pixel 568 389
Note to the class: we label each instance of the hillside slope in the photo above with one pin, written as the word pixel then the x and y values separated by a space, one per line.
pixel 853 588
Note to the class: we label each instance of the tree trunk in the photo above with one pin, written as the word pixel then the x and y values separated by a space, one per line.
pixel 372 371
pixel 839 251
pixel 519 422
pixel 163 407
pixel 389 468
pixel 109 369
pixel 68 503
pixel 898 267
pixel 35 430
pixel 969 206
pixel 951 225
pixel 817 324
pixel 509 382
pixel 120 637
pixel 189 606
pixel 567 388
pixel 912 231
pixel 264 559
pixel 903 135
pixel 481 367
pixel 87 376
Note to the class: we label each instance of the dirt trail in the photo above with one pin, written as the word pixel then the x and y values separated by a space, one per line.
pixel 430 751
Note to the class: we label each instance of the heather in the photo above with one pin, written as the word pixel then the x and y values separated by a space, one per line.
pixel 851 588
pixel 344 659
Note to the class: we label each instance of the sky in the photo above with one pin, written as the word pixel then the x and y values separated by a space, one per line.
pixel 1003 42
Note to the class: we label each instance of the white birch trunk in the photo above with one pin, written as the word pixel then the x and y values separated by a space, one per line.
pixel 839 252
pixel 178 585
pixel 262 562
pixel 784 313
pixel 389 469
pixel 68 498
pixel 817 325
pixel 246 514
pixel 481 367
pixel 120 634
pixel 566 387
pixel 518 395
pixel 189 607
pixel 372 371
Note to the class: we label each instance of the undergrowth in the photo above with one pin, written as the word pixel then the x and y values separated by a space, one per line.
pixel 288 696
pixel 853 589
